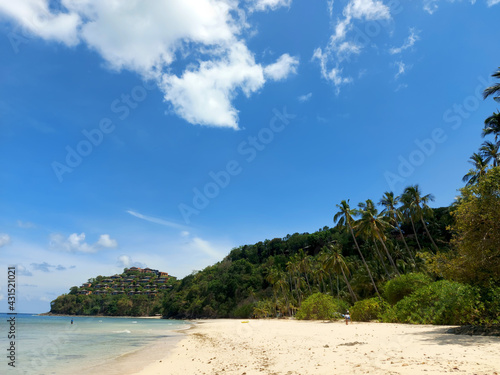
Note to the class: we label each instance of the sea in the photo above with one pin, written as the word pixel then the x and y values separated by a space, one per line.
pixel 51 345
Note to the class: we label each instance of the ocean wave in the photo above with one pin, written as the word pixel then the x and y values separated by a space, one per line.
pixel 124 331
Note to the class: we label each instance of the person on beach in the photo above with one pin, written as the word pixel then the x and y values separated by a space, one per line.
pixel 347 317
pixel 71 321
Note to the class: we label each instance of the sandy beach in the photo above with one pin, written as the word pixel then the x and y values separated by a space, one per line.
pixel 299 347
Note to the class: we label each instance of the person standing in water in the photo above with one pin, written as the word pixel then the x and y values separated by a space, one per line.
pixel 71 321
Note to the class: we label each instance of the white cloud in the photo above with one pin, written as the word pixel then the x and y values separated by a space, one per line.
pixel 106 242
pixel 4 239
pixel 206 247
pixel 76 243
pixel 339 49
pixel 148 36
pixel 124 261
pixel 305 97
pixel 409 42
pixel 270 4
pixel 401 68
pixel 35 17
pixel 493 2
pixel 203 95
pixel 334 74
pixel 156 220
pixel 282 68
pixel 367 9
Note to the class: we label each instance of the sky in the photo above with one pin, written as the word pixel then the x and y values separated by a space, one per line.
pixel 164 133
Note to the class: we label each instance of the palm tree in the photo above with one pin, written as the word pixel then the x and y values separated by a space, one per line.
pixel 495 89
pixel 334 261
pixel 490 152
pixel 419 202
pixel 343 218
pixel 492 126
pixel 373 225
pixel 480 167
pixel 389 201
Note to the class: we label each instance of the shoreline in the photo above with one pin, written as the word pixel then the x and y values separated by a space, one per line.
pixel 235 346
pixel 132 361
pixel 104 316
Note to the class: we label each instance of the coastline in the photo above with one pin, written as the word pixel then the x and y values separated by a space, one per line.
pixel 101 316
pixel 131 362
pixel 314 347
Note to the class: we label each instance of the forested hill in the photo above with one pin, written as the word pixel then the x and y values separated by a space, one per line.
pixel 233 286
pixel 245 281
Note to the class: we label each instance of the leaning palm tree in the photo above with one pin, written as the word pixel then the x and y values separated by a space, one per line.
pixel 492 126
pixel 373 225
pixel 343 218
pixel 480 166
pixel 495 89
pixel 420 202
pixel 389 201
pixel 490 152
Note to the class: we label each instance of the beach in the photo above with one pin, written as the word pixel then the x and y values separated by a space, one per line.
pixel 247 347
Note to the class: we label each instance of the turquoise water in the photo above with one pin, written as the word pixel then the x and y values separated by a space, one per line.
pixel 51 345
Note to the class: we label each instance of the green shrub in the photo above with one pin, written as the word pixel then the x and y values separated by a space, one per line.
pixel 368 309
pixel 319 306
pixel 243 311
pixel 264 309
pixel 442 302
pixel 398 288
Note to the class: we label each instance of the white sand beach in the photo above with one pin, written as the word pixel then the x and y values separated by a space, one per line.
pixel 304 347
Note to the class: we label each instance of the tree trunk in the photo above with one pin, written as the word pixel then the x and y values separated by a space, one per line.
pixel 382 260
pixel 428 234
pixel 355 299
pixel 389 255
pixel 406 245
pixel 414 231
pixel 364 261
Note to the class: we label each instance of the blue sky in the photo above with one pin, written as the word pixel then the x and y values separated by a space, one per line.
pixel 165 133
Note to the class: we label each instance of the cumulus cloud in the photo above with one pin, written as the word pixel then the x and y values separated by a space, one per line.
pixel 76 243
pixel 339 49
pixel 106 242
pixel 4 239
pixel 36 17
pixel 203 95
pixel 282 68
pixel 409 42
pixel 148 36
